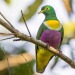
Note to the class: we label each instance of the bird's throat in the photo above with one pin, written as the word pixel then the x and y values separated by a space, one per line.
pixel 52 24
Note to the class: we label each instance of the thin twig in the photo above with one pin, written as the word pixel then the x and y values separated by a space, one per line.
pixel 25 23
pixel 5 19
pixel 27 64
pixel 6 34
pixel 7 38
pixel 7 62
pixel 8 66
pixel 17 40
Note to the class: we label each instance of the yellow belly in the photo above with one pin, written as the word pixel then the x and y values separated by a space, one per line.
pixel 54 24
pixel 43 57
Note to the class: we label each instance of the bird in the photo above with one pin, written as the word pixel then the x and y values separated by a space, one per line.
pixel 50 32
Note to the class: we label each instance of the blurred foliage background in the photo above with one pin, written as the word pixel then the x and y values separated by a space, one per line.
pixel 30 10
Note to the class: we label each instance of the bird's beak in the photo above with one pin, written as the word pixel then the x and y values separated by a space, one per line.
pixel 41 11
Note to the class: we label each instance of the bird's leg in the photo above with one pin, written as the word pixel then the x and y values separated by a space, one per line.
pixel 60 52
pixel 19 39
pixel 47 45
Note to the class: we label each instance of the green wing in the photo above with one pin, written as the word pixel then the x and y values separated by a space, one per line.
pixel 40 31
pixel 62 34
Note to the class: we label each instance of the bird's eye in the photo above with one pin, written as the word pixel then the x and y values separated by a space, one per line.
pixel 47 8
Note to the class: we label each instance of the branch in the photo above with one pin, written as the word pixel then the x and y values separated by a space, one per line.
pixel 25 23
pixel 37 42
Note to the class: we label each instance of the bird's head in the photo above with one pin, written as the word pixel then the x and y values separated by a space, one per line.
pixel 47 10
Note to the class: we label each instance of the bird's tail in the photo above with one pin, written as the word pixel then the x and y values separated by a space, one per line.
pixel 43 57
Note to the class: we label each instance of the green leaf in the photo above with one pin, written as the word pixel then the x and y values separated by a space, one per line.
pixel 8 1
pixel 4 72
pixel 1 54
pixel 23 69
pixel 32 10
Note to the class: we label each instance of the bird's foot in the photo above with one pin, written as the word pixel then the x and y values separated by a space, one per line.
pixel 47 45
pixel 60 52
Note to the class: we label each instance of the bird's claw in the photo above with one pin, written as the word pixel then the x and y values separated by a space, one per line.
pixel 60 52
pixel 47 45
